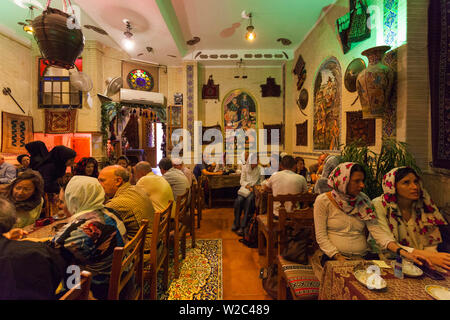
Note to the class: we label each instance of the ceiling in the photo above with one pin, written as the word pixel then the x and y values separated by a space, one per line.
pixel 167 25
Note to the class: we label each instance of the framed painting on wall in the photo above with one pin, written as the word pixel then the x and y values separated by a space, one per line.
pixel 302 134
pixel 239 110
pixel 360 129
pixel 17 131
pixel 327 105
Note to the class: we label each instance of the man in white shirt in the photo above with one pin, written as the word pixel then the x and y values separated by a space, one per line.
pixel 178 164
pixel 284 182
pixel 250 176
pixel 7 171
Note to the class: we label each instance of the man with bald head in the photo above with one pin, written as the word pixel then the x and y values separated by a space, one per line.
pixel 130 203
pixel 157 188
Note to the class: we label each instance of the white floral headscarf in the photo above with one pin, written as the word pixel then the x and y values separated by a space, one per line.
pixel 428 217
pixel 359 205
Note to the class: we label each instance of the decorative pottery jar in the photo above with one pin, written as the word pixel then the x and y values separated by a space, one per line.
pixel 374 84
pixel 60 45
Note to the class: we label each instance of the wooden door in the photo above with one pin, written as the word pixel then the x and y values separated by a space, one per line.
pixel 149 140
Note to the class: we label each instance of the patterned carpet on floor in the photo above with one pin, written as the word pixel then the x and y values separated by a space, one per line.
pixel 200 274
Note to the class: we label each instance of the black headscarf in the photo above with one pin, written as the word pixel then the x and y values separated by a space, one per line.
pixel 58 156
pixel 38 151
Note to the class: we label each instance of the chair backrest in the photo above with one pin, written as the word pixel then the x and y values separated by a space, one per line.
pixel 182 206
pixel 160 236
pixel 194 190
pixel 298 217
pixel 304 199
pixel 129 261
pixel 81 290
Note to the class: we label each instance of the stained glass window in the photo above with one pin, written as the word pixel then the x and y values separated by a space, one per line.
pixel 139 79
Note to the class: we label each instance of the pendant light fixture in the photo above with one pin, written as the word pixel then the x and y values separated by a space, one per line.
pixel 250 35
pixel 27 25
pixel 128 42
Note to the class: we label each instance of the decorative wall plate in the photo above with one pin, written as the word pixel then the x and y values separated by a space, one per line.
pixel 302 101
pixel 352 72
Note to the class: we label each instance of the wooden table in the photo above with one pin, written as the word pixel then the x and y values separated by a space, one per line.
pixel 222 181
pixel 44 231
pixel 339 283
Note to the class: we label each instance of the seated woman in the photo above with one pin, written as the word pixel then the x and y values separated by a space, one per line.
pixel 24 161
pixel 406 211
pixel 342 216
pixel 321 185
pixel 301 169
pixel 90 236
pixel 25 192
pixel 87 166
pixel 123 161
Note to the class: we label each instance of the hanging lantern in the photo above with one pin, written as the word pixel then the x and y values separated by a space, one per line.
pixel 59 37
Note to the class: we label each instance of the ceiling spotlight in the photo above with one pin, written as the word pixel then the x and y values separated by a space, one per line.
pixel 127 42
pixel 250 35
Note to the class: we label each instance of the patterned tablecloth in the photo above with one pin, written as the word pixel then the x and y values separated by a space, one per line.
pixel 339 283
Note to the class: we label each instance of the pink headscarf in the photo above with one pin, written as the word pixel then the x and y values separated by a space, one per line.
pixel 428 217
pixel 359 205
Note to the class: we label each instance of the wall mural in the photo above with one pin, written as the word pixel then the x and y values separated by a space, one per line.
pixel 239 111
pixel 327 106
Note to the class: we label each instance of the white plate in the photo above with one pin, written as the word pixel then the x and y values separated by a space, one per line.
pixel 56 217
pixel 370 280
pixel 409 269
pixel 438 292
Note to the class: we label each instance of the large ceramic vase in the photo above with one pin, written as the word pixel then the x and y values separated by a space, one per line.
pixel 59 44
pixel 374 84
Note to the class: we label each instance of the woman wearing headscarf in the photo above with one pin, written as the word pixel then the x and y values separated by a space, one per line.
pixel 92 233
pixel 26 192
pixel 38 151
pixel 54 167
pixel 343 215
pixel 321 185
pixel 87 166
pixel 407 212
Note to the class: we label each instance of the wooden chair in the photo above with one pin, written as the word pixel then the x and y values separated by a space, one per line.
pixel 268 225
pixel 199 199
pixel 81 290
pixel 159 252
pixel 180 225
pixel 50 206
pixel 299 278
pixel 128 261
pixel 192 206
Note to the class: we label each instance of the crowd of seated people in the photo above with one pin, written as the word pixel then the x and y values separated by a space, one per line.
pixel 105 210
pixel 103 213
